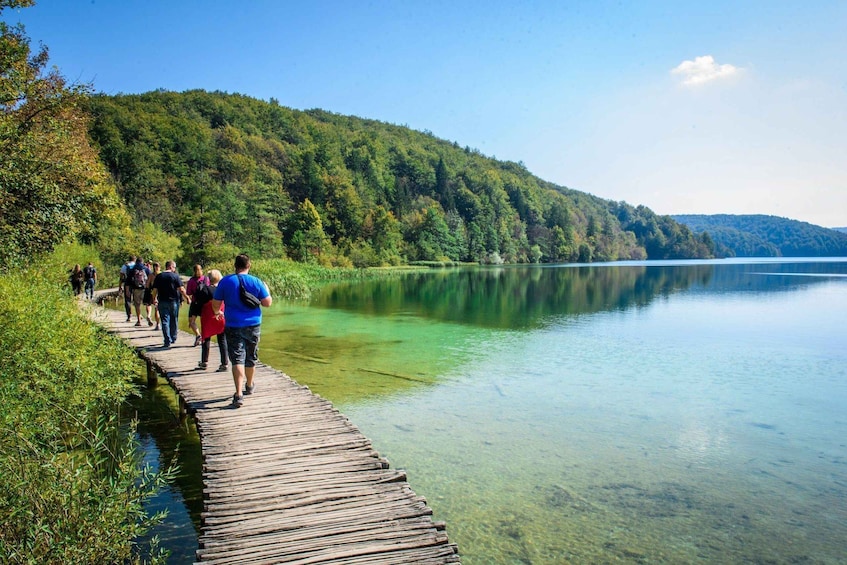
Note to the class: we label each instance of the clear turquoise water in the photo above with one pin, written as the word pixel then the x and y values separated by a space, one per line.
pixel 640 413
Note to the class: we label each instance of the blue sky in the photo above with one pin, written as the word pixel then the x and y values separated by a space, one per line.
pixel 735 107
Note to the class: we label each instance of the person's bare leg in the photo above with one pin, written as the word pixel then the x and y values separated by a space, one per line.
pixel 238 378
pixel 248 372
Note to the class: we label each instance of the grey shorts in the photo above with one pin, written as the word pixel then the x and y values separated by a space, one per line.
pixel 242 345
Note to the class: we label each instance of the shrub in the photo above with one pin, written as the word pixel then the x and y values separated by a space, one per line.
pixel 71 483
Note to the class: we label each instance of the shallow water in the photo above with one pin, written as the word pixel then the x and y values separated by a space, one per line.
pixel 663 413
pixel 643 412
pixel 164 438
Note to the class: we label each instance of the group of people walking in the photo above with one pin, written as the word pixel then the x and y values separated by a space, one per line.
pixel 241 295
pixel 83 277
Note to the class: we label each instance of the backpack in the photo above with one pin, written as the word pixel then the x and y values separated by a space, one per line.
pixel 202 294
pixel 139 277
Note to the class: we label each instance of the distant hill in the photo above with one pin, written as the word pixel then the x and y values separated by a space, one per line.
pixel 843 230
pixel 226 172
pixel 766 236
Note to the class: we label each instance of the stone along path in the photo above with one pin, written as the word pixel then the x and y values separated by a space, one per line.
pixel 286 477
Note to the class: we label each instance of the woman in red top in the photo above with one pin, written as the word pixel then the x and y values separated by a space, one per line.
pixel 209 324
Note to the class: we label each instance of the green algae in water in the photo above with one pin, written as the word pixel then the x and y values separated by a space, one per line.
pixel 657 414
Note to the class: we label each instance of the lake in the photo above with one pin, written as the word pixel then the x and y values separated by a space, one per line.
pixel 660 412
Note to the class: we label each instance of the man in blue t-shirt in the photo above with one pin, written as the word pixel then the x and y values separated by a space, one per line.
pixel 243 323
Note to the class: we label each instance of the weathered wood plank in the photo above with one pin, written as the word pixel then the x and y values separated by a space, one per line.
pixel 287 478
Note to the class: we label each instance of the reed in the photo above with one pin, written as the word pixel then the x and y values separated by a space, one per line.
pixel 72 483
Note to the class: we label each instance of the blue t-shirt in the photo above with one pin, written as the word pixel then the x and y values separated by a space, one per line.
pixel 237 314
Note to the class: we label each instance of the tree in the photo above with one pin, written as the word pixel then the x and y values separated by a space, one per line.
pixel 263 161
pixel 382 229
pixel 52 185
pixel 428 236
pixel 309 240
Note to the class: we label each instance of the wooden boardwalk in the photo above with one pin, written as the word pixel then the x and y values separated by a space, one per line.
pixel 286 477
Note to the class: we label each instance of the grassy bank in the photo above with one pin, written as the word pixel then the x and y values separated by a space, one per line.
pixel 289 279
pixel 71 481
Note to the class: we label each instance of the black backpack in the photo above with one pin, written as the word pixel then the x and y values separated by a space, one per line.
pixel 202 294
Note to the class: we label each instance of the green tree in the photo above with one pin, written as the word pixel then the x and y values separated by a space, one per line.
pixel 382 230
pixel 52 185
pixel 264 160
pixel 428 236
pixel 309 240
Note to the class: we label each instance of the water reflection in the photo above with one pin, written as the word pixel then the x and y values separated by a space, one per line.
pixel 648 412
pixel 165 438
pixel 660 412
pixel 524 297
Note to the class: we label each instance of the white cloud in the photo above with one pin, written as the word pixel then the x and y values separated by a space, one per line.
pixel 702 70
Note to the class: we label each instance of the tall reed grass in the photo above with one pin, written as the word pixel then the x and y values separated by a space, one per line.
pixel 72 484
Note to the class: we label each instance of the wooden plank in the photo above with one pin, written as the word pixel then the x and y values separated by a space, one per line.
pixel 287 478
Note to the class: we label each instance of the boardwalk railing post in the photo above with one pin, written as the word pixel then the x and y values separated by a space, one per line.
pixel 152 375
pixel 183 409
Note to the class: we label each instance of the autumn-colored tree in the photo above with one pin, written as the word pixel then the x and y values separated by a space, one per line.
pixel 52 185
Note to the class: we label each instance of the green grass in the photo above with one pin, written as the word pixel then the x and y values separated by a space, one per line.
pixel 289 279
pixel 72 485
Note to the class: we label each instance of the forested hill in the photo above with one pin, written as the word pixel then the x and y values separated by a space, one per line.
pixel 227 172
pixel 767 236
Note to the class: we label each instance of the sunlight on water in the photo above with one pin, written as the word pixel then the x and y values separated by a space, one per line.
pixel 704 423
pixel 674 412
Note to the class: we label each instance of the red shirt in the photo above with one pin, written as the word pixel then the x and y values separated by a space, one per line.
pixel 209 325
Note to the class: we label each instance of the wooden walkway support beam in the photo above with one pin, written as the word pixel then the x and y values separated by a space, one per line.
pixel 286 477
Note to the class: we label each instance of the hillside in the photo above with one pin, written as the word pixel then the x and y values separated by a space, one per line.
pixel 225 172
pixel 767 236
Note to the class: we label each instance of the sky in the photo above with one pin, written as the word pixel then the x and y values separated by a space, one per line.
pixel 706 107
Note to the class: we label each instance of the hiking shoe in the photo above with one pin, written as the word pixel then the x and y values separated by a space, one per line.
pixel 223 368
pixel 149 322
pixel 198 340
pixel 249 389
pixel 137 323
pixel 201 365
pixel 237 401
pixel 127 318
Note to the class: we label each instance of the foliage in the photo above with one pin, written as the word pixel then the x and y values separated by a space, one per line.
pixel 52 184
pixel 118 242
pixel 290 279
pixel 768 236
pixel 219 169
pixel 71 483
